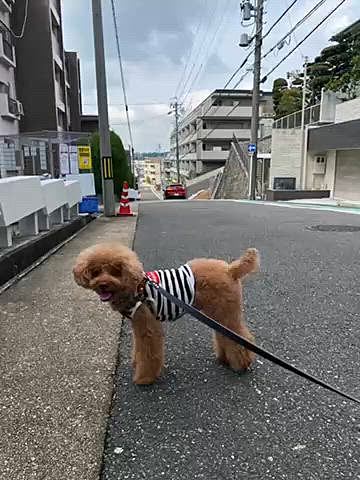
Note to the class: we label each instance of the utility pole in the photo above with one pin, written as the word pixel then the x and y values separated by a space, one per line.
pixel 175 107
pixel 104 132
pixel 256 96
pixel 177 140
pixel 302 150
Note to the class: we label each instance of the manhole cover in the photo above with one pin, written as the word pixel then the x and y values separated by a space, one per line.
pixel 334 228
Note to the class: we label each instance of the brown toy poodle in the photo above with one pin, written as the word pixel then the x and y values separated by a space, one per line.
pixel 115 273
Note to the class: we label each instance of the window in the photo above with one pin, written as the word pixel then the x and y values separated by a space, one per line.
pixel 204 125
pixel 7 42
pixel 61 119
pixel 4 88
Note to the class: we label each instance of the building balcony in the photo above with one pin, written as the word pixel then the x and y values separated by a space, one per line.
pixel 230 112
pixel 224 134
pixel 189 137
pixel 214 155
pixel 7 49
pixel 10 108
pixel 191 156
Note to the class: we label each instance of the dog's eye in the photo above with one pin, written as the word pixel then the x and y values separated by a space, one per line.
pixel 95 272
pixel 115 269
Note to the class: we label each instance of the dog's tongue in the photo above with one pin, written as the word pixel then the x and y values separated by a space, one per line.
pixel 105 296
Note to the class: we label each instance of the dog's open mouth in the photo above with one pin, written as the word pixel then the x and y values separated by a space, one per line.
pixel 105 296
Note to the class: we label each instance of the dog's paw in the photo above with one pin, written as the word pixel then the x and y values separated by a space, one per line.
pixel 144 380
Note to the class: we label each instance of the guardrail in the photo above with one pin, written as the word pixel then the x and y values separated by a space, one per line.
pixel 29 205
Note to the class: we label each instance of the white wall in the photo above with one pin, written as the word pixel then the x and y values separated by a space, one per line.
pixel 347 111
pixel 323 182
pixel 285 154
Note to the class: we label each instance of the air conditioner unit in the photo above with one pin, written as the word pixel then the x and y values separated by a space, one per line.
pixel 319 165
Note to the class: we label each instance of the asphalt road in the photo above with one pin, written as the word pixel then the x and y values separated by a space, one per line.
pixel 148 195
pixel 202 421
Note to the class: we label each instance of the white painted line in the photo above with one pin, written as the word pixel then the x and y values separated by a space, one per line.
pixel 156 194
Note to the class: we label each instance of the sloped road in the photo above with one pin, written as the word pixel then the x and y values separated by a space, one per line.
pixel 202 421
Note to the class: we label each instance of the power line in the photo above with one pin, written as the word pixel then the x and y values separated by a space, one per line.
pixel 295 27
pixel 122 76
pixel 303 40
pixel 248 56
pixel 189 56
pixel 263 37
pixel 22 31
pixel 279 63
pixel 120 104
pixel 298 24
pixel 200 50
pixel 145 120
pixel 208 53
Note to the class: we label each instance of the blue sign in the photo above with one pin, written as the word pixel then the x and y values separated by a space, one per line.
pixel 251 148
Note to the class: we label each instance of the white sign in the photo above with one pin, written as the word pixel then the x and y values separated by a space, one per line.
pixel 64 159
pixel 43 159
pixel 74 163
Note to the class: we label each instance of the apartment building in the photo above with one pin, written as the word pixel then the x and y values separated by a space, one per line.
pixel 168 165
pixel 11 108
pixel 206 133
pixel 42 79
pixel 73 91
pixel 152 170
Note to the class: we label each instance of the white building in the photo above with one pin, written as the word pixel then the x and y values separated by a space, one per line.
pixel 152 170
pixel 206 133
pixel 331 150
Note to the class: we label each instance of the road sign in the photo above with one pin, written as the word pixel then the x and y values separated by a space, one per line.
pixel 251 148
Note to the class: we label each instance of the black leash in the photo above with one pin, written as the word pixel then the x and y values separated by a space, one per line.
pixel 210 322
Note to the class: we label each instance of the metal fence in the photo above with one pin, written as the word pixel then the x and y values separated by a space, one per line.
pixel 311 116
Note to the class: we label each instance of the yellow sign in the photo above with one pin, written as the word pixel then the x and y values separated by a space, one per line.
pixel 107 167
pixel 84 157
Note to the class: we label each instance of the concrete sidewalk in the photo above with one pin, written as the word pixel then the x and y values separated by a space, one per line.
pixel 58 352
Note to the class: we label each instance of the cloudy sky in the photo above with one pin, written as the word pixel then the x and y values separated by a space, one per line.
pixel 160 37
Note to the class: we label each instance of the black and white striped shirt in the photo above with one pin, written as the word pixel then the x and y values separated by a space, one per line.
pixel 180 282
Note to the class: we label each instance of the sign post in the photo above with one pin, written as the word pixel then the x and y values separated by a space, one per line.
pixel 251 151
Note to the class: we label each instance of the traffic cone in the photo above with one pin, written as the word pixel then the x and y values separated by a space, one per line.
pixel 124 208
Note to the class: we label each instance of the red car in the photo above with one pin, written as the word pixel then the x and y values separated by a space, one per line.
pixel 175 190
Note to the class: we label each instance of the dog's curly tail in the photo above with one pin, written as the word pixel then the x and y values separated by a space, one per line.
pixel 248 263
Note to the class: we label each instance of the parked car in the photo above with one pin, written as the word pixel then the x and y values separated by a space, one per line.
pixel 175 190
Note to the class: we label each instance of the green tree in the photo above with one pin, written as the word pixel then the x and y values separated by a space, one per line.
pixel 290 101
pixel 279 85
pixel 337 67
pixel 120 163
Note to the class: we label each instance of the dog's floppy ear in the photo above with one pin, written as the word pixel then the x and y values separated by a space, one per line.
pixel 81 273
pixel 126 265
